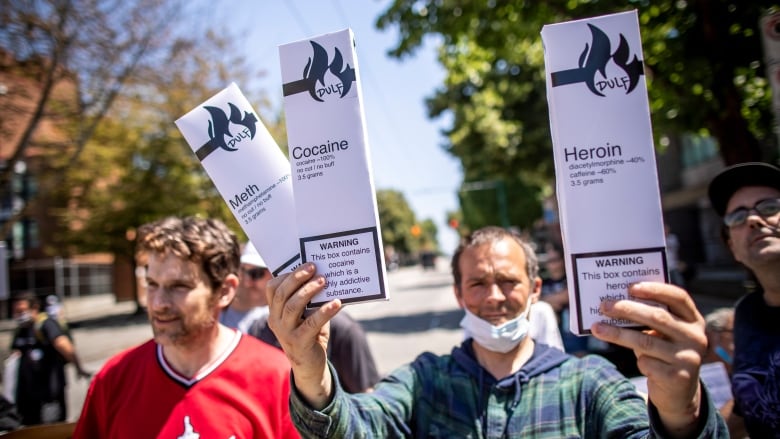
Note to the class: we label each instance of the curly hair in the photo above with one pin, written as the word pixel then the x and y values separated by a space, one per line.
pixel 490 235
pixel 207 242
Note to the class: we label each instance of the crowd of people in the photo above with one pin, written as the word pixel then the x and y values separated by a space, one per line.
pixel 234 355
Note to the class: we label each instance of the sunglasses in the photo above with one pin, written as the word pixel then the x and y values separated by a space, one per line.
pixel 764 208
pixel 255 273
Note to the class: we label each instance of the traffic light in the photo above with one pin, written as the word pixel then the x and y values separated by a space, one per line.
pixel 416 230
pixel 454 223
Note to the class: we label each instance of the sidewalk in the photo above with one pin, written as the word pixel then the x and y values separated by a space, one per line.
pixel 77 309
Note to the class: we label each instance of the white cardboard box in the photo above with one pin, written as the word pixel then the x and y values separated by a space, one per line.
pixel 335 199
pixel 249 171
pixel 607 185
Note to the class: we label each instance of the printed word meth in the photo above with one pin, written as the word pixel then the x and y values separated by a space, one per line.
pixel 598 152
pixel 243 197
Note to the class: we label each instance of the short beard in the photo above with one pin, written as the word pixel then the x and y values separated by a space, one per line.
pixel 184 336
pixel 193 334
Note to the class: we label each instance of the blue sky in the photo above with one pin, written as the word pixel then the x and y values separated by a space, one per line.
pixel 405 144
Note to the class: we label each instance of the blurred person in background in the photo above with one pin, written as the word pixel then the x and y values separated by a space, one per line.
pixel 348 351
pixel 555 291
pixel 673 261
pixel 747 197
pixel 249 304
pixel 44 348
pixel 719 327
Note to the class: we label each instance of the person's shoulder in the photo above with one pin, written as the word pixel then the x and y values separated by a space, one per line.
pixel 428 362
pixel 344 323
pixel 542 308
pixel 45 322
pixel 250 349
pixel 134 353
pixel 47 329
pixel 130 358
pixel 749 302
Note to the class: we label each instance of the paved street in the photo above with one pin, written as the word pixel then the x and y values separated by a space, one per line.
pixel 420 315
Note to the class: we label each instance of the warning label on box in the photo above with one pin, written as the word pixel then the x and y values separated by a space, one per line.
pixel 351 264
pixel 602 277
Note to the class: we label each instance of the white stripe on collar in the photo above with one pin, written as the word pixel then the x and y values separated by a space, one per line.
pixel 188 382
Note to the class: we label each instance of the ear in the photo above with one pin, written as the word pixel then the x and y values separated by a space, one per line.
pixel 536 291
pixel 227 291
pixel 458 295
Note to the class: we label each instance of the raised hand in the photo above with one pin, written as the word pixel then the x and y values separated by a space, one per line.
pixel 669 353
pixel 303 339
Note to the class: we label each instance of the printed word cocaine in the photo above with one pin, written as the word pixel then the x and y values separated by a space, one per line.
pixel 312 151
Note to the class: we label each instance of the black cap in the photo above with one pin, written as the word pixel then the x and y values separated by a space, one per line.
pixel 734 177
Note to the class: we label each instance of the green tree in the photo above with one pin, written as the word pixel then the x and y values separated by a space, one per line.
pixel 397 221
pixel 703 61
pixel 427 238
pixel 137 167
pixel 86 49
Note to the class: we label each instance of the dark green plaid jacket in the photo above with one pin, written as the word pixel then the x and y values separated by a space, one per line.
pixel 554 395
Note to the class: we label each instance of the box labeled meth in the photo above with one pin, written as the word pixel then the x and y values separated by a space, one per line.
pixel 249 171
pixel 335 200
pixel 606 180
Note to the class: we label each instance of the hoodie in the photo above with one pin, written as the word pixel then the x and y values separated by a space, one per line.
pixel 554 395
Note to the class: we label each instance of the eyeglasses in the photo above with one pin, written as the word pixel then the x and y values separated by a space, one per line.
pixel 255 273
pixel 764 208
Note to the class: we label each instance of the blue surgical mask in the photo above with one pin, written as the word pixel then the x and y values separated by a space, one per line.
pixel 723 354
pixel 502 338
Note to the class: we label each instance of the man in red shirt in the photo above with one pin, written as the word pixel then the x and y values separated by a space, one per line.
pixel 196 378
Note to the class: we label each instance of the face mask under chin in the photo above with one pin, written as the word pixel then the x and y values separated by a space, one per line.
pixel 24 319
pixel 502 338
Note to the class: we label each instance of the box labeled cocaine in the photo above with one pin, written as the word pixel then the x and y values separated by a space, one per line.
pixel 335 199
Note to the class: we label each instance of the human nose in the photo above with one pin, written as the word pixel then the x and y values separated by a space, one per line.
pixel 753 217
pixel 494 293
pixel 158 298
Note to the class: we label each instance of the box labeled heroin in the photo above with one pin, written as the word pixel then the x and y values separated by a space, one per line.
pixel 606 181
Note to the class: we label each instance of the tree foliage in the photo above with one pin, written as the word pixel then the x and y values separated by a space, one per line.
pixel 137 167
pixel 397 221
pixel 703 60
pixel 129 70
pixel 94 46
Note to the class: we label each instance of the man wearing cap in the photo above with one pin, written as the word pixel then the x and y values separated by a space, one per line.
pixel 250 303
pixel 747 197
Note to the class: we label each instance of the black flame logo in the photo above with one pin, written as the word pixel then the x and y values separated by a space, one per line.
pixel 314 74
pixel 219 127
pixel 594 59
